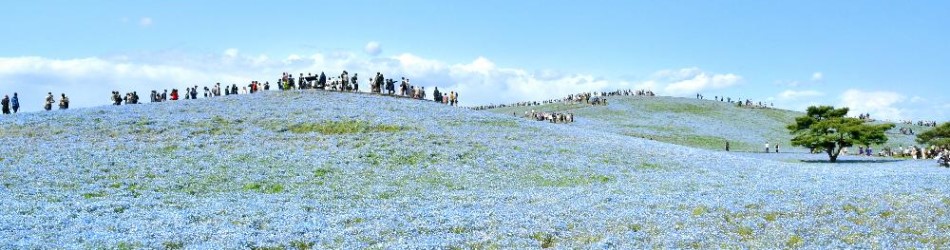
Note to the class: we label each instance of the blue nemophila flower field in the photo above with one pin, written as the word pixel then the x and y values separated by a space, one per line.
pixel 306 169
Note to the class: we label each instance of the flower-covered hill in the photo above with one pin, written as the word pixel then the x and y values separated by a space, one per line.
pixel 691 122
pixel 316 170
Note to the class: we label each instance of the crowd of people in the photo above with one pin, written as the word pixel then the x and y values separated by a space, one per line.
pixel 914 152
pixel 552 117
pixel 941 154
pixel 747 103
pixel 13 104
pixel 287 81
pixel 594 98
pixel 931 124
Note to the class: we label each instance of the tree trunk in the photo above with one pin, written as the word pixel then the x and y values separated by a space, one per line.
pixel 833 153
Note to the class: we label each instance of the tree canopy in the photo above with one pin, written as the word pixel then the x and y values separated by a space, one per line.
pixel 828 129
pixel 939 136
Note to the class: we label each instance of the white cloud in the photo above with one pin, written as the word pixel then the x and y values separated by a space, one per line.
pixel 817 76
pixel 690 81
pixel 292 59
pixel 232 52
pixel 880 104
pixel 373 48
pixel 793 95
pixel 145 21
pixel 88 81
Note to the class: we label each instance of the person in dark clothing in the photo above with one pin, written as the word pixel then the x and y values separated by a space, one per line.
pixel 390 86
pixel 64 102
pixel 323 81
pixel 436 96
pixel 49 101
pixel 356 87
pixel 727 146
pixel 15 103
pixel 6 104
pixel 234 89
pixel 116 98
pixel 165 95
pixel 266 85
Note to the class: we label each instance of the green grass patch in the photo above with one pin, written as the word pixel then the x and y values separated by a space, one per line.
pixel 794 241
pixel 93 195
pixel 217 126
pixel 686 108
pixel 173 245
pixel 698 141
pixel 649 166
pixel 499 123
pixel 853 209
pixel 344 127
pixel 699 210
pixel 568 180
pixel 265 188
pixel 409 160
pixel 323 172
pixel 771 217
pixel 545 240
pixel 745 232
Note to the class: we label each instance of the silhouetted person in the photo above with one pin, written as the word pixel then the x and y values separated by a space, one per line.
pixel 64 102
pixel 49 101
pixel 6 104
pixel 15 103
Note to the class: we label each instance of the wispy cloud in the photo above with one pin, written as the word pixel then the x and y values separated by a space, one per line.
pixel 145 21
pixel 373 48
pixel 794 95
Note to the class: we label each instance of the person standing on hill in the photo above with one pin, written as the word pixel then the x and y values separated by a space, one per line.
pixel 64 102
pixel 766 147
pixel 727 146
pixel 6 104
pixel 15 103
pixel 776 147
pixel 49 101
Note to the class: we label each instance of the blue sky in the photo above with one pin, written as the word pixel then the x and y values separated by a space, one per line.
pixel 884 57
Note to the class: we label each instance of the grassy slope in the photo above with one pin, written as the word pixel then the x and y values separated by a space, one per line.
pixel 331 170
pixel 690 122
